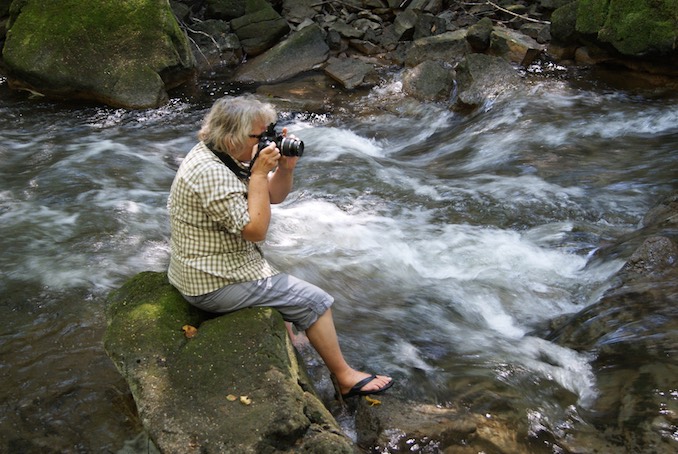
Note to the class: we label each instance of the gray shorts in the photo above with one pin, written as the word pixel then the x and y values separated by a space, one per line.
pixel 298 301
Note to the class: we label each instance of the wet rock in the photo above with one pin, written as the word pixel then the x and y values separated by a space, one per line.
pixel 182 385
pixel 429 81
pixel 656 257
pixel 483 77
pixel 664 214
pixel 404 426
pixel 45 54
pixel 303 51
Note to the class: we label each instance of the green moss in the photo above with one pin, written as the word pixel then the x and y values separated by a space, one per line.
pixel 633 27
pixel 639 26
pixel 148 312
pixel 80 25
pixel 591 15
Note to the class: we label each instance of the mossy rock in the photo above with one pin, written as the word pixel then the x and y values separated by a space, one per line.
pixel 181 384
pixel 123 53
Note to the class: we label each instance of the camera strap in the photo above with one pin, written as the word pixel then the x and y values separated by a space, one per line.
pixel 243 174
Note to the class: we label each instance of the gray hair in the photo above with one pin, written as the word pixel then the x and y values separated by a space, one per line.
pixel 229 122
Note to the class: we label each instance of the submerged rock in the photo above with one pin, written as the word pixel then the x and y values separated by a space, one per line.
pixel 635 372
pixel 235 386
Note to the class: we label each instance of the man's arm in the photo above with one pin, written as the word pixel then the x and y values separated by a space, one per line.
pixel 281 181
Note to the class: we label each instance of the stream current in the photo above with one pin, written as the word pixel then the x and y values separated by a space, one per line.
pixel 446 239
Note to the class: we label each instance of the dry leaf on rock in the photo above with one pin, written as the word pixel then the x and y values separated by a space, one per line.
pixel 232 398
pixel 372 401
pixel 189 331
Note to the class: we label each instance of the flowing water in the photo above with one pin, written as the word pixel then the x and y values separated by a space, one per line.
pixel 445 239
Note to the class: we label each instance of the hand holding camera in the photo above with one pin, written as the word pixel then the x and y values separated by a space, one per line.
pixel 273 146
pixel 288 146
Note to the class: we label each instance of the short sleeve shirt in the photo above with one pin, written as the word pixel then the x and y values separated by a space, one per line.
pixel 208 209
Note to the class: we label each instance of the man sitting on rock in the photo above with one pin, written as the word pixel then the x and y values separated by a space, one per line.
pixel 220 208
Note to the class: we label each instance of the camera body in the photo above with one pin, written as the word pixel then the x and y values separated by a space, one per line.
pixel 287 146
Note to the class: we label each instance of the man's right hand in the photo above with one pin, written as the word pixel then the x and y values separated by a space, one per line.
pixel 267 160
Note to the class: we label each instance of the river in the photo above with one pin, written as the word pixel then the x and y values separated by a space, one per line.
pixel 444 238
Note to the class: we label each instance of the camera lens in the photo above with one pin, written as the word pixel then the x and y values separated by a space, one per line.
pixel 291 147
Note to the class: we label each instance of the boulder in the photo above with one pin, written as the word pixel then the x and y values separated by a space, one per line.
pixel 302 51
pixel 483 77
pixel 123 54
pixel 233 385
pixel 259 29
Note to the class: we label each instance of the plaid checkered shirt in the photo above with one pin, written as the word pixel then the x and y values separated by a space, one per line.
pixel 208 209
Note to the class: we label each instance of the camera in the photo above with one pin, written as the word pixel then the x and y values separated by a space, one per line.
pixel 287 146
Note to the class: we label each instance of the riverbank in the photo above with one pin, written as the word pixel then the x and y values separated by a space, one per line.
pixel 354 43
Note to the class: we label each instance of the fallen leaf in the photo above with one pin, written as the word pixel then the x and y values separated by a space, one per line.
pixel 372 401
pixel 232 398
pixel 189 331
pixel 245 400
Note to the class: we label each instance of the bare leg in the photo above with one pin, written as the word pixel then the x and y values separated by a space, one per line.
pixel 323 337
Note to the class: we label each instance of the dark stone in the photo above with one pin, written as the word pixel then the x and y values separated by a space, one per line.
pixel 225 9
pixel 303 51
pixel 478 34
pixel 260 30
